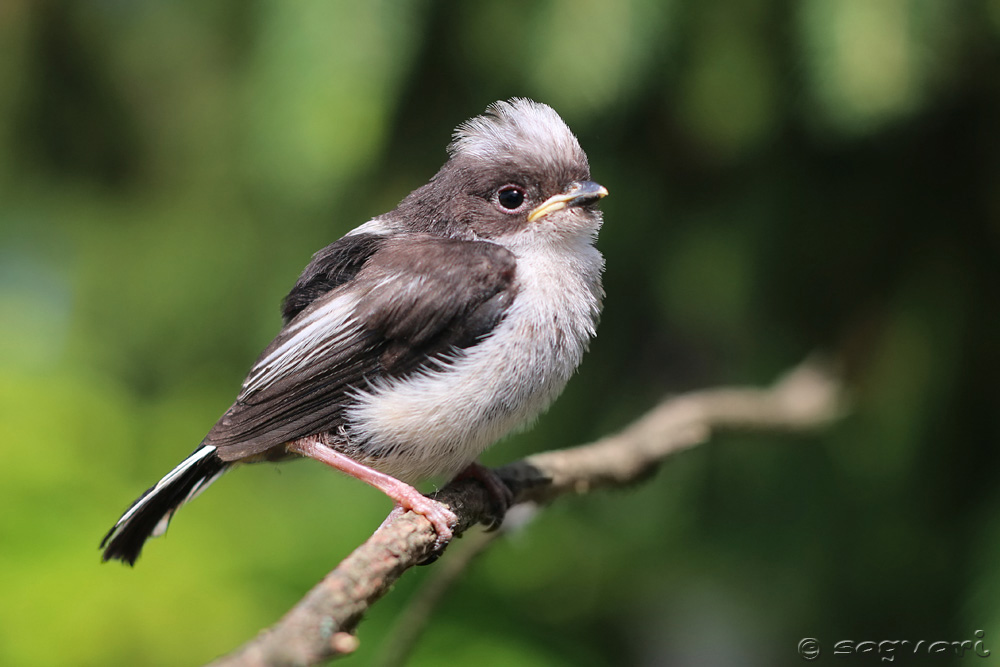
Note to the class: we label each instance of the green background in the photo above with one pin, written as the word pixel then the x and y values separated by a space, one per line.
pixel 786 178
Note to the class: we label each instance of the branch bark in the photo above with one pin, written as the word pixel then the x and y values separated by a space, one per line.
pixel 319 627
pixel 399 643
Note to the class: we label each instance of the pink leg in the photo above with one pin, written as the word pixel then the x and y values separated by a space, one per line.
pixel 442 518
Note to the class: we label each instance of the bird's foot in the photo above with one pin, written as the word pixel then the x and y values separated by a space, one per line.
pixel 500 494
pixel 405 496
pixel 442 519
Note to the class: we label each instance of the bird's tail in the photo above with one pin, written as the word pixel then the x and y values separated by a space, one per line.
pixel 151 512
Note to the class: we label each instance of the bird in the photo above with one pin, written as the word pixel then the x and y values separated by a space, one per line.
pixel 424 335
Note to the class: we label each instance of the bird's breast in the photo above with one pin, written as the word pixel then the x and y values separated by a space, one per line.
pixel 435 422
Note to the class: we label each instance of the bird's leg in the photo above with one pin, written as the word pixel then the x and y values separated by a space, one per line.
pixel 499 493
pixel 404 495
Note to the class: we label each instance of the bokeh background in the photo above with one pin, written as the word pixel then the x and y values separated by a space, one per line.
pixel 787 178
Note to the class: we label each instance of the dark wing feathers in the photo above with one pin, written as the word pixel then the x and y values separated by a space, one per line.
pixel 331 267
pixel 430 285
pixel 415 302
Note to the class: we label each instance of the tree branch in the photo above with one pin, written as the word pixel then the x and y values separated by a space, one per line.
pixel 403 638
pixel 318 628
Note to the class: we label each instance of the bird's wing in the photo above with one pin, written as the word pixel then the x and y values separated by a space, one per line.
pixel 331 267
pixel 411 305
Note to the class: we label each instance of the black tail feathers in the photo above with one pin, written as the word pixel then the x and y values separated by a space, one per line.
pixel 151 512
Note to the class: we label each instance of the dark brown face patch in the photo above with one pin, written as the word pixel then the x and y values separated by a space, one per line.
pixel 520 143
pixel 461 199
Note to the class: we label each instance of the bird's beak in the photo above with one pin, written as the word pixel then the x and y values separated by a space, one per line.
pixel 580 193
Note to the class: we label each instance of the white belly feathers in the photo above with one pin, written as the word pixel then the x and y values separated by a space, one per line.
pixel 437 422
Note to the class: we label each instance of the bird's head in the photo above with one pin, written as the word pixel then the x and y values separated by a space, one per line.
pixel 516 173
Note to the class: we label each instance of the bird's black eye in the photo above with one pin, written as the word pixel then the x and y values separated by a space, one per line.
pixel 511 197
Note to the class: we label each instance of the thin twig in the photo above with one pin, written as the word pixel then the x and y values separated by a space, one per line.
pixel 319 627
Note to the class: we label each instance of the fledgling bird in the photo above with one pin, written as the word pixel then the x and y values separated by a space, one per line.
pixel 424 335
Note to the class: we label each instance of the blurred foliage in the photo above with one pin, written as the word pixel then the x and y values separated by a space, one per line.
pixel 786 177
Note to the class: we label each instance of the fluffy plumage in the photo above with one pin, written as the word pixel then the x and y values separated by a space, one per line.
pixel 426 334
